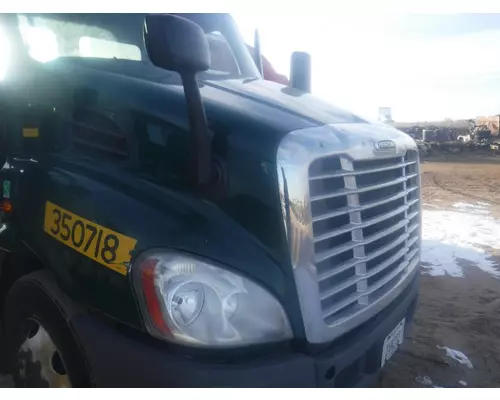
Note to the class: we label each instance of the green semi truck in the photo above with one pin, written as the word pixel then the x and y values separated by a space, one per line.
pixel 169 223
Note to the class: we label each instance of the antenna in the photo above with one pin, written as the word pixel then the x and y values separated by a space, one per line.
pixel 257 54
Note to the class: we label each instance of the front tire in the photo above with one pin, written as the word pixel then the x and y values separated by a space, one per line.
pixel 41 350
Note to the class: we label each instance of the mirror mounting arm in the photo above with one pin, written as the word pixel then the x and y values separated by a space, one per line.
pixel 200 135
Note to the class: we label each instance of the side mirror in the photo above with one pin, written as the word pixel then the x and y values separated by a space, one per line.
pixel 177 44
pixel 300 71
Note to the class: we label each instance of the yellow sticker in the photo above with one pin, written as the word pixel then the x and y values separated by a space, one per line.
pixel 107 247
pixel 30 132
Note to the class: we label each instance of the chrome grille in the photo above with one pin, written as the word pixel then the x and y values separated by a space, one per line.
pixel 365 220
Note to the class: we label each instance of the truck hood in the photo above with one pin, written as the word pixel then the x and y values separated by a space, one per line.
pixel 287 99
pixel 254 96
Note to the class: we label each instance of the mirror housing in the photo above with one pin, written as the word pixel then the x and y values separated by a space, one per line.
pixel 300 71
pixel 176 44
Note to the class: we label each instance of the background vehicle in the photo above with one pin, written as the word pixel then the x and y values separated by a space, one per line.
pixel 171 222
pixel 269 73
pixel 464 138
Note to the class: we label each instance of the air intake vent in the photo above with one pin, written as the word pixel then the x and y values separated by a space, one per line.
pixel 97 136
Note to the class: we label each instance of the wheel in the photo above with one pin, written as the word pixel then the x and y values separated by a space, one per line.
pixel 40 348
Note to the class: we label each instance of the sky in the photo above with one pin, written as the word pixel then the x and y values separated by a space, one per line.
pixel 424 66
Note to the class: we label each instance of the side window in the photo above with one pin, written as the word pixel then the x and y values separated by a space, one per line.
pixel 48 38
pixel 223 59
pixel 103 48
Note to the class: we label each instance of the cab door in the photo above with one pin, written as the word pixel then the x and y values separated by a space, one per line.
pixel 27 136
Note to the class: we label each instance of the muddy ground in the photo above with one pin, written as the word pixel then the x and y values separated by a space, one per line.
pixel 461 313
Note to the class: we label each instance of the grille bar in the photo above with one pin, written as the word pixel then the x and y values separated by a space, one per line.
pixel 345 210
pixel 368 222
pixel 361 172
pixel 358 278
pixel 352 263
pixel 341 249
pixel 355 297
pixel 344 192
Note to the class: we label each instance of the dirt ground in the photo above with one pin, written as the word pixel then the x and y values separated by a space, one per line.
pixel 462 314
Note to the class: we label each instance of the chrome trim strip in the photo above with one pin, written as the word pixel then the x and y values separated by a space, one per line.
pixel 296 151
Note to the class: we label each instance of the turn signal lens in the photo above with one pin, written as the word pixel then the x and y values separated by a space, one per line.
pixel 6 206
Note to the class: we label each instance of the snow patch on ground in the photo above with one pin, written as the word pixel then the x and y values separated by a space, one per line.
pixel 478 208
pixel 424 381
pixel 457 356
pixel 462 234
pixel 427 381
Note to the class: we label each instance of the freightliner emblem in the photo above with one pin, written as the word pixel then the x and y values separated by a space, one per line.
pixel 385 145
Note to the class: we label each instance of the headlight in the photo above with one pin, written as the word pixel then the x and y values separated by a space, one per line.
pixel 191 301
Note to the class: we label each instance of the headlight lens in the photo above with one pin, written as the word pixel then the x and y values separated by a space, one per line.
pixel 191 301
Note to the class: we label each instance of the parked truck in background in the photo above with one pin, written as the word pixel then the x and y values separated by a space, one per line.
pixel 165 222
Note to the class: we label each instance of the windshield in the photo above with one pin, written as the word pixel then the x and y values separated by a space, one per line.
pixel 120 36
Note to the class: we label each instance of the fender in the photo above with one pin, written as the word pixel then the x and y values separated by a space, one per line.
pixel 16 259
pixel 45 280
pixel 19 262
